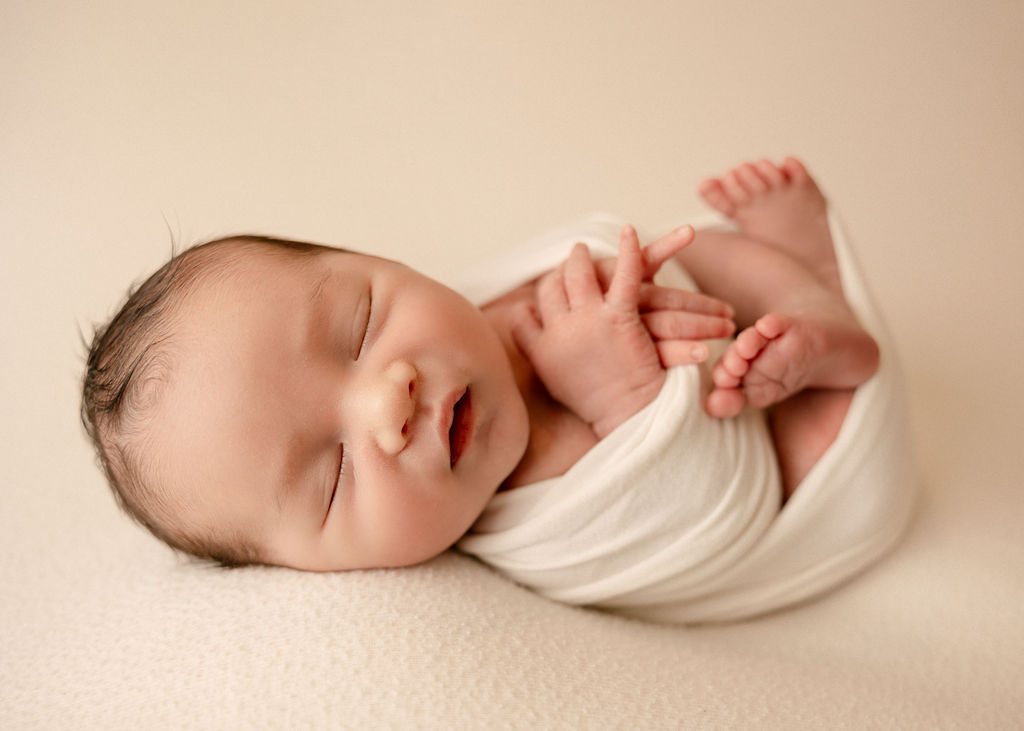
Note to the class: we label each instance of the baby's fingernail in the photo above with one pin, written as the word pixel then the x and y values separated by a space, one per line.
pixel 699 352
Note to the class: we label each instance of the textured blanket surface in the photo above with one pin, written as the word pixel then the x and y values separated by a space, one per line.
pixel 675 516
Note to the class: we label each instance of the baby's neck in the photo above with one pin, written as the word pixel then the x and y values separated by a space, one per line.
pixel 558 437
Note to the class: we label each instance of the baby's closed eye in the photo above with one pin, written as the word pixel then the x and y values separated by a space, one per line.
pixel 361 323
pixel 339 476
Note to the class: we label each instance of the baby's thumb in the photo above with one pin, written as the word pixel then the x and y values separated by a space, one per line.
pixel 525 328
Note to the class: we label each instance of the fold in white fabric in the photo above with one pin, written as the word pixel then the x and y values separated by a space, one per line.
pixel 676 516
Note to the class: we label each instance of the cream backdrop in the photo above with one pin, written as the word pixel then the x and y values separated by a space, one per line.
pixel 441 132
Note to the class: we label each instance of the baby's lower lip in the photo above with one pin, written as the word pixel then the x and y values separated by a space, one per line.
pixel 461 431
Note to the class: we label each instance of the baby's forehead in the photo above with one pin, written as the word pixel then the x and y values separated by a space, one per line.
pixel 242 262
pixel 241 282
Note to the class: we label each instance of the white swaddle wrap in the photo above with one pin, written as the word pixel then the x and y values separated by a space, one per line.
pixel 675 516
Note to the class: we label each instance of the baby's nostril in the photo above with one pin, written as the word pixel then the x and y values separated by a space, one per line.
pixel 405 429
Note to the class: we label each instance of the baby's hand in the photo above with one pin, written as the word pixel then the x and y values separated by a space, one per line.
pixel 591 348
pixel 677 319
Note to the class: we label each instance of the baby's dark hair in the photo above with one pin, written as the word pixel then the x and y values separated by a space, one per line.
pixel 128 365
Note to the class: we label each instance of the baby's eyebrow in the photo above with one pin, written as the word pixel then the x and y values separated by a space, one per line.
pixel 316 314
pixel 319 287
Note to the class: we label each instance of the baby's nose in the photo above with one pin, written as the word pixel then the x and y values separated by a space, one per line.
pixel 390 406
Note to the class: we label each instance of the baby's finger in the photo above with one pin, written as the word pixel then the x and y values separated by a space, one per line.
pixel 629 272
pixel 673 325
pixel 655 297
pixel 681 352
pixel 581 285
pixel 654 254
pixel 525 328
pixel 605 271
pixel 551 298
pixel 661 250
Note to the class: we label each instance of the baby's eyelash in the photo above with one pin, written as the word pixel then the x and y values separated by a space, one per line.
pixel 366 325
pixel 337 481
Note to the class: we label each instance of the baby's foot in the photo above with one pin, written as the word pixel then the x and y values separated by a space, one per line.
pixel 782 354
pixel 780 205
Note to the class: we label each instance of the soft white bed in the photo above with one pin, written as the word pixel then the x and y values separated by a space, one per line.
pixel 440 134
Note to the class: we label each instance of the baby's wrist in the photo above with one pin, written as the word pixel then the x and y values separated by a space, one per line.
pixel 629 407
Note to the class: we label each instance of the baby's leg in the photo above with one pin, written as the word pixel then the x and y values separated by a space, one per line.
pixel 797 332
pixel 802 351
pixel 780 205
pixel 803 427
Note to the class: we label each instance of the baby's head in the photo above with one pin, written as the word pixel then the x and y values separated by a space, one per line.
pixel 265 401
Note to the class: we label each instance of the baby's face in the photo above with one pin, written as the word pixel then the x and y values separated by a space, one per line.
pixel 340 411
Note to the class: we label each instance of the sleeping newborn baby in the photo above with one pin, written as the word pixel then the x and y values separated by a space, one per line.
pixel 263 401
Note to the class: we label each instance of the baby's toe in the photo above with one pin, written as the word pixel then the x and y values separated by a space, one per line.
pixel 723 375
pixel 715 196
pixel 724 403
pixel 751 179
pixel 734 188
pixel 748 344
pixel 795 170
pixel 771 173
pixel 772 325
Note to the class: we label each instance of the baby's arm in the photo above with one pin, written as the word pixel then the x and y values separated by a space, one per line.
pixel 593 350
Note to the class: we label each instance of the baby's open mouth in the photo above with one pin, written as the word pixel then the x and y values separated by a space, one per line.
pixel 461 428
